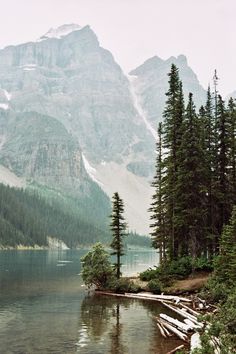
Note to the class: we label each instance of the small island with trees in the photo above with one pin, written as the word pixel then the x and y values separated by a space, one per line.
pixel 193 221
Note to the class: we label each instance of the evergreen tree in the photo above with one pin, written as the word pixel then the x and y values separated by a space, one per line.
pixel 223 159
pixel 209 152
pixel 173 118
pixel 226 262
pixel 158 226
pixel 191 204
pixel 118 228
pixel 232 149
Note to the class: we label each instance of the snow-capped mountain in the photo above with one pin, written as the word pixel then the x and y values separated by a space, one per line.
pixel 60 31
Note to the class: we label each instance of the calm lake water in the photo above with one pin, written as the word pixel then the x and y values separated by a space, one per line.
pixel 44 308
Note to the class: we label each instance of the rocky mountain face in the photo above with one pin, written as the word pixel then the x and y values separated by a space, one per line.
pixel 150 82
pixel 70 117
pixel 76 81
pixel 40 149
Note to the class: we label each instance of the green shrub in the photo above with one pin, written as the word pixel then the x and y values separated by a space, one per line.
pixel 96 267
pixel 155 286
pixel 215 291
pixel 176 269
pixel 150 274
pixel 123 285
pixel 203 264
pixel 181 267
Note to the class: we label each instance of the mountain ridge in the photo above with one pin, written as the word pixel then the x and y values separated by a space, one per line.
pixel 109 116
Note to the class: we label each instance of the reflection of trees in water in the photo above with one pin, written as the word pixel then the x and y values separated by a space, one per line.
pixel 96 312
pixel 116 341
pixel 100 314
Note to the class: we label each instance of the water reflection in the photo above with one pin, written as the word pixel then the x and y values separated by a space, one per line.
pixel 44 309
pixel 117 346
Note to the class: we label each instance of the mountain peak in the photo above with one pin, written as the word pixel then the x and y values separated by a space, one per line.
pixel 150 64
pixel 61 31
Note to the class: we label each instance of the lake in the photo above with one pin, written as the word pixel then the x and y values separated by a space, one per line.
pixel 44 308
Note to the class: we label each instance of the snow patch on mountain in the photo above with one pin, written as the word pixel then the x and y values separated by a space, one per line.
pixel 28 67
pixel 4 106
pixel 60 31
pixel 8 178
pixel 7 95
pixel 90 170
pixel 138 106
pixel 134 190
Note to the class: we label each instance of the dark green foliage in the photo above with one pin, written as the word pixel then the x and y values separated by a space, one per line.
pixel 223 156
pixel 215 291
pixel 17 219
pixel 96 267
pixel 151 273
pixel 158 234
pixel 226 262
pixel 177 269
pixel 118 228
pixel 155 286
pixel 27 218
pixel 227 321
pixel 137 240
pixel 221 288
pixel 203 264
pixel 191 204
pixel 123 285
pixel 195 178
pixel 232 149
pixel 172 133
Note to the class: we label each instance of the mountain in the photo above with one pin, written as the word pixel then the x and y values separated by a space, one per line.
pixel 150 83
pixel 66 83
pixel 72 122
pixel 232 94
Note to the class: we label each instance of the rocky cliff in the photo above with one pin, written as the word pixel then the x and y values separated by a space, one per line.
pixel 150 82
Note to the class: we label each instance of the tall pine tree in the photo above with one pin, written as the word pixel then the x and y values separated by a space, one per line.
pixel 157 208
pixel 222 169
pixel 191 204
pixel 232 149
pixel 172 132
pixel 118 228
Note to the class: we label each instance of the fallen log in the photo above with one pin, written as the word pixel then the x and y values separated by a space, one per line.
pixel 175 350
pixel 193 325
pixel 182 313
pixel 161 330
pixel 180 325
pixel 163 297
pixel 195 313
pixel 164 328
pixel 174 330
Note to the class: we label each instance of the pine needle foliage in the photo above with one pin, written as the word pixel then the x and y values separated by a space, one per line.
pixel 195 174
pixel 118 227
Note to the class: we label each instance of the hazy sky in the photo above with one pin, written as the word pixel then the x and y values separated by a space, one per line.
pixel 135 30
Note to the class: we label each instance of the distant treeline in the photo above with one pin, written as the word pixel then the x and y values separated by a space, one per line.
pixel 27 217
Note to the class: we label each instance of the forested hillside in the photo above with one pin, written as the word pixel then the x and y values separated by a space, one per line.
pixel 27 218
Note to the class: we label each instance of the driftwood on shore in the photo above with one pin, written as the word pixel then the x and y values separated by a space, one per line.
pixel 176 349
pixel 168 326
